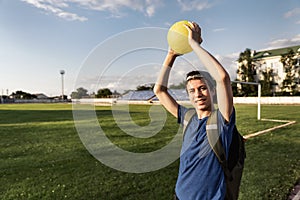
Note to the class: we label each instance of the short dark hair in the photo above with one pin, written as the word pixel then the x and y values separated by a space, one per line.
pixel 192 75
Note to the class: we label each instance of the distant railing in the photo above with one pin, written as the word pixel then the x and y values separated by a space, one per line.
pixel 236 100
pixel 33 100
pixel 267 100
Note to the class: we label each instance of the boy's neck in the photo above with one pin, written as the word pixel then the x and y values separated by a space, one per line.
pixel 202 114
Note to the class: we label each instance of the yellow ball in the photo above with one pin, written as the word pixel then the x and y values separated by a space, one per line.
pixel 178 37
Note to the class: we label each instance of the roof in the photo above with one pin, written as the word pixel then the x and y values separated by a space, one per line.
pixel 41 96
pixel 275 52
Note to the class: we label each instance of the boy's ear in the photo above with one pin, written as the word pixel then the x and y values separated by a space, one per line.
pixel 214 92
pixel 214 95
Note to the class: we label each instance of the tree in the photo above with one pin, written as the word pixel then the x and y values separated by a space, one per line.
pixel 267 83
pixel 246 73
pixel 103 93
pixel 289 62
pixel 80 93
pixel 145 87
pixel 181 85
pixel 23 95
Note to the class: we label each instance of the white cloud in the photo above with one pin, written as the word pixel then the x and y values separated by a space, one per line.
pixel 293 12
pixel 284 42
pixel 229 63
pixel 71 16
pixel 148 7
pixel 55 7
pixel 187 5
pixel 219 29
pixel 152 6
pixel 150 11
pixel 115 7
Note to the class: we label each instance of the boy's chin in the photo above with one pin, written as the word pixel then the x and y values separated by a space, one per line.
pixel 202 107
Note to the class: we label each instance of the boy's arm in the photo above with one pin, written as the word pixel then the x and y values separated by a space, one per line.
pixel 216 70
pixel 161 85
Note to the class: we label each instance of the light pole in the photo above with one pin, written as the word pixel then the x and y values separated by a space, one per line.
pixel 62 72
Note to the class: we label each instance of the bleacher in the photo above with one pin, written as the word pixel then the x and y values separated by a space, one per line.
pixel 143 95
pixel 179 94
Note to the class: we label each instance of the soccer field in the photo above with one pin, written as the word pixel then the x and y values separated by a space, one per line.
pixel 42 156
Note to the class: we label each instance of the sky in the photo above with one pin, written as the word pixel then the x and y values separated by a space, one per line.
pixel 120 44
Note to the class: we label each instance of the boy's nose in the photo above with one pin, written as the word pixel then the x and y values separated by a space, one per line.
pixel 198 93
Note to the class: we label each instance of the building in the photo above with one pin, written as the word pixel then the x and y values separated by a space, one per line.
pixel 41 96
pixel 270 61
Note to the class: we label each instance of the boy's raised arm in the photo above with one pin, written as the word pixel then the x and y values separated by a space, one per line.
pixel 161 85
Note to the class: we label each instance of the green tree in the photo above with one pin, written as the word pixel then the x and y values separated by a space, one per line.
pixel 179 86
pixel 246 73
pixel 290 82
pixel 80 93
pixel 145 87
pixel 23 95
pixel 267 83
pixel 103 93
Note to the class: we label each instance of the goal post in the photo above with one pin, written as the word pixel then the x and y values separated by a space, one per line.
pixel 258 95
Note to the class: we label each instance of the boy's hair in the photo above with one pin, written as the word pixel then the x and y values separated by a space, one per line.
pixel 201 75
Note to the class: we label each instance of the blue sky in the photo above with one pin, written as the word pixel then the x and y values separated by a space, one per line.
pixel 85 38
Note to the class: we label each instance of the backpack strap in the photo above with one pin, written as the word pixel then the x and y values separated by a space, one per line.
pixel 214 140
pixel 187 118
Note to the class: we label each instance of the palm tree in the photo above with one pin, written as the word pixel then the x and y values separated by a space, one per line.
pixel 246 73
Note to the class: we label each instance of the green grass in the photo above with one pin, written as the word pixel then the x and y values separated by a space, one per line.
pixel 273 159
pixel 42 157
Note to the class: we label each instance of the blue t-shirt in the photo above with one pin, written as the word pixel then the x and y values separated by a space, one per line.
pixel 200 173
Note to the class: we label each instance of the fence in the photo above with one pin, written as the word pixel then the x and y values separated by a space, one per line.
pixel 267 100
pixel 236 100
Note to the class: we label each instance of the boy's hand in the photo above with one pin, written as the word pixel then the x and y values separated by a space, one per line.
pixel 171 52
pixel 194 33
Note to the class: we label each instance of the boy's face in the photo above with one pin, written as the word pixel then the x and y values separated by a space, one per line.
pixel 199 94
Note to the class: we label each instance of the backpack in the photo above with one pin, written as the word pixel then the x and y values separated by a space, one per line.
pixel 233 167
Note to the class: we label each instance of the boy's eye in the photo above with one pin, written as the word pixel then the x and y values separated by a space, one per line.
pixel 191 91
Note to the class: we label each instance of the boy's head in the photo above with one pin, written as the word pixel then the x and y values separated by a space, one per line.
pixel 192 75
pixel 200 88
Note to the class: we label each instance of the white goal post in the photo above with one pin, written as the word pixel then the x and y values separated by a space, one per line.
pixel 258 95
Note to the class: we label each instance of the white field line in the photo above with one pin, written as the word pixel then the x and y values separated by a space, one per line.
pixel 297 196
pixel 287 123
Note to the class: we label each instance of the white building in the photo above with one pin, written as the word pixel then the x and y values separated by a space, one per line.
pixel 266 60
